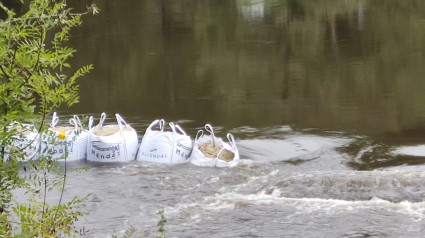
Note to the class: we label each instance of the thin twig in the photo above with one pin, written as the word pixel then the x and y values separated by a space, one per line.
pixel 45 193
pixel 40 47
pixel 12 62
pixel 47 17
pixel 4 72
pixel 63 189
pixel 4 129
pixel 45 177
pixel 19 223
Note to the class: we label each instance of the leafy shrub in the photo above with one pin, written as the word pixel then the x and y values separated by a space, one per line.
pixel 33 83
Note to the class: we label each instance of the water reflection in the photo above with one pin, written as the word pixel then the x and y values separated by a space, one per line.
pixel 252 9
pixel 335 64
pixel 265 70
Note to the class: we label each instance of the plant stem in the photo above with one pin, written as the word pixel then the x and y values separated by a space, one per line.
pixel 62 190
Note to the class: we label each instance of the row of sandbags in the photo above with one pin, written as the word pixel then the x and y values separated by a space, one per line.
pixel 119 143
pixel 175 146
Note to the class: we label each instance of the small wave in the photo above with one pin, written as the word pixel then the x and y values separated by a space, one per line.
pixel 245 130
pixel 294 147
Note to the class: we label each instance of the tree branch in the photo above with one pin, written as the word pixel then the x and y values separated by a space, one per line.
pixel 92 9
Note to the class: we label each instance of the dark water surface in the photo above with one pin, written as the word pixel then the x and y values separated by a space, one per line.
pixel 325 98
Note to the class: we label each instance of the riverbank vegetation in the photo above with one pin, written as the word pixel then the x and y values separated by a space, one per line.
pixel 35 80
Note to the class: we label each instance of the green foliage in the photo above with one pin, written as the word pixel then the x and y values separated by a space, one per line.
pixel 9 180
pixel 161 224
pixel 33 55
pixel 55 221
pixel 161 228
pixel 127 234
pixel 34 81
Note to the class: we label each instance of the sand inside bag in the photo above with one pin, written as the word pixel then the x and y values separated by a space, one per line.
pixel 23 131
pixel 62 128
pixel 227 155
pixel 109 130
pixel 211 152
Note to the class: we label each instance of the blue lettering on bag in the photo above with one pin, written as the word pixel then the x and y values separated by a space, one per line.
pixel 154 156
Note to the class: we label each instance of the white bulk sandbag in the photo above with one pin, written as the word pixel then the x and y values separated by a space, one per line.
pixel 209 150
pixel 25 142
pixel 170 147
pixel 79 145
pixel 111 143
pixel 65 142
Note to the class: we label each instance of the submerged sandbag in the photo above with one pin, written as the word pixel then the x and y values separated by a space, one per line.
pixel 65 142
pixel 25 142
pixel 209 150
pixel 111 143
pixel 161 146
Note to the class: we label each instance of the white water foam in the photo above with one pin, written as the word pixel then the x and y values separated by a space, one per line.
pixel 416 211
pixel 418 150
pixel 388 181
pixel 363 151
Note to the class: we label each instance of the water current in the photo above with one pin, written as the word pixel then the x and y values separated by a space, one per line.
pixel 290 183
pixel 325 99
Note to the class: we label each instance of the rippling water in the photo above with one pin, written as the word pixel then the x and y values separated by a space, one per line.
pixel 325 99
pixel 292 183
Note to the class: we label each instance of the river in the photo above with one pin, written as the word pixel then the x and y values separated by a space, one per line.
pixel 325 99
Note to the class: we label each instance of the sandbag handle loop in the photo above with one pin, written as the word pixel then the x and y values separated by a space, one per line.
pixel 176 126
pixel 161 125
pixel 101 120
pixel 231 139
pixel 199 134
pixel 210 129
pixel 91 122
pixel 218 155
pixel 120 121
pixel 55 120
pixel 77 119
pixel 122 124
pixel 73 122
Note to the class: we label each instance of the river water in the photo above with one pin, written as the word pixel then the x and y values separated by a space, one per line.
pixel 325 99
